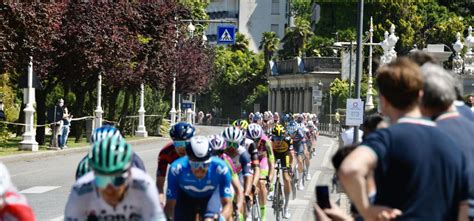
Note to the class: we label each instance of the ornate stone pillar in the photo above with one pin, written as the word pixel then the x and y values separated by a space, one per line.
pixel 270 99
pixel 287 100
pixel 278 100
pixel 301 104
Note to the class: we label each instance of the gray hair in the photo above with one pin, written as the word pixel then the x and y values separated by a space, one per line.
pixel 438 89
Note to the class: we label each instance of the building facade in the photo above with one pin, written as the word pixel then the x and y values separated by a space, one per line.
pixel 294 85
pixel 252 18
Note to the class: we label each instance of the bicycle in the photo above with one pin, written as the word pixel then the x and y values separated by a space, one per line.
pixel 253 206
pixel 278 202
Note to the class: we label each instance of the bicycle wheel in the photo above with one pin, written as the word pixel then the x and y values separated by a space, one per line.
pixel 276 201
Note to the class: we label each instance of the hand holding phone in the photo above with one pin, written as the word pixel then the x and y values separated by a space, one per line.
pixel 322 197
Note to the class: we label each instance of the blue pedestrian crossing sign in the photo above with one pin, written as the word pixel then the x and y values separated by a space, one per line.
pixel 225 34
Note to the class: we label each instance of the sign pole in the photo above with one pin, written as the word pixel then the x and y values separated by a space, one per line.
pixel 360 18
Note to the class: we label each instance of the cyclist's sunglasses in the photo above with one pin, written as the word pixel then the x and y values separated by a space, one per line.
pixel 199 164
pixel 179 143
pixel 278 138
pixel 103 181
pixel 232 144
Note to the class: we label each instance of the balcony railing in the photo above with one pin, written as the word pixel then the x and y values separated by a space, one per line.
pixel 305 65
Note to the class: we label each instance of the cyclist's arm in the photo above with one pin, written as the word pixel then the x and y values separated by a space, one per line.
pixel 171 193
pixel 245 163
pixel 161 175
pixel 160 183
pixel 255 164
pixel 226 195
pixel 271 159
pixel 239 192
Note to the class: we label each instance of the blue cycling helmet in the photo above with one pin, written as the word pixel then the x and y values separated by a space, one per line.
pixel 292 127
pixel 104 132
pixel 256 117
pixel 182 131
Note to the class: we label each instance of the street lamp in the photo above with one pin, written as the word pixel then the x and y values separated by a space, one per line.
pixel 191 29
pixel 173 93
pixel 320 85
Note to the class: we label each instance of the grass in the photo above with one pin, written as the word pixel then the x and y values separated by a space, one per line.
pixel 11 146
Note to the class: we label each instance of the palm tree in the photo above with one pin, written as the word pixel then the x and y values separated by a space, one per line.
pixel 241 43
pixel 269 44
pixel 294 41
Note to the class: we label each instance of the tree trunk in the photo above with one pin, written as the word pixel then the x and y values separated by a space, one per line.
pixel 78 109
pixel 112 101
pixel 41 114
pixel 124 112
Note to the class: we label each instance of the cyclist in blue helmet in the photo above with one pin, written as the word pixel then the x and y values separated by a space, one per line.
pixel 97 135
pixel 299 145
pixel 180 134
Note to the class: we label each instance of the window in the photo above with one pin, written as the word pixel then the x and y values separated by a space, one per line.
pixel 275 7
pixel 274 28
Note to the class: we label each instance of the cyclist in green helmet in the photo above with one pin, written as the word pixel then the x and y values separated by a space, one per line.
pixel 114 189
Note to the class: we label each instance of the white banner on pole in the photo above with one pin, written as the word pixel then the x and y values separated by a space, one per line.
pixel 354 112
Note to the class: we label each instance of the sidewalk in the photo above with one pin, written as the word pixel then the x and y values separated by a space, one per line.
pixel 48 153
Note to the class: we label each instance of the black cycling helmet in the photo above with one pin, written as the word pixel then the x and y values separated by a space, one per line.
pixel 182 131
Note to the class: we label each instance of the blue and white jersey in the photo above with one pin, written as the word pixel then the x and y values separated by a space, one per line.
pixel 180 176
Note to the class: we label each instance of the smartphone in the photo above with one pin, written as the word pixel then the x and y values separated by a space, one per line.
pixel 322 197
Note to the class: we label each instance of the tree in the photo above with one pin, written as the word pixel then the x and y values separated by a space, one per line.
pixel 269 44
pixel 238 74
pixel 241 43
pixel 320 47
pixel 31 30
pixel 295 39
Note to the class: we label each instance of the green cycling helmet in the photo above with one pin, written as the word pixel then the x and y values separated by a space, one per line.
pixel 110 156
pixel 83 167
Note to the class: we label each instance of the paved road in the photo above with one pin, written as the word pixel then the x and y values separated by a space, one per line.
pixel 46 181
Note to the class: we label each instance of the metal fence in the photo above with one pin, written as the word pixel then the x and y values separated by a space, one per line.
pixel 332 130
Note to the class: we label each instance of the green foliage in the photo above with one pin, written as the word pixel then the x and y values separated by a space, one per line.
pixel 295 39
pixel 340 90
pixel 258 96
pixel 301 9
pixel 241 43
pixel 320 47
pixel 10 100
pixel 238 74
pixel 269 44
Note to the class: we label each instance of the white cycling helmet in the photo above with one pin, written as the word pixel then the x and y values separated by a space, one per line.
pixel 216 142
pixel 232 134
pixel 254 131
pixel 198 148
pixel 5 180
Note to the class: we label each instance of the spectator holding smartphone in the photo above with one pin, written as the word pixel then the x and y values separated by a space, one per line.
pixel 420 173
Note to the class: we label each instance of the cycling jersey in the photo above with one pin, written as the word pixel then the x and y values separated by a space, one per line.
pixel 140 202
pixel 298 141
pixel 228 161
pixel 265 154
pixel 241 159
pixel 15 208
pixel 166 156
pixel 136 162
pixel 282 150
pixel 251 147
pixel 284 146
pixel 182 178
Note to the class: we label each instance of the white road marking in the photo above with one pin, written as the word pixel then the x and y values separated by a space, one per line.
pixel 24 173
pixel 39 189
pixel 59 218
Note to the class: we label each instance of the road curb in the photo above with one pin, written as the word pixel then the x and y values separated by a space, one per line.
pixel 30 156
